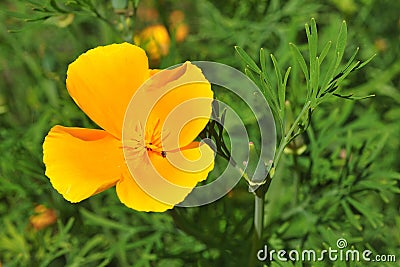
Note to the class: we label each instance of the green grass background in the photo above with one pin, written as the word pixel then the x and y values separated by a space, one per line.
pixel 346 183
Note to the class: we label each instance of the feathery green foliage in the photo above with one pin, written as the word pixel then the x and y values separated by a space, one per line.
pixel 337 174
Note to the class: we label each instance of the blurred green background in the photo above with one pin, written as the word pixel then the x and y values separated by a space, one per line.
pixel 345 184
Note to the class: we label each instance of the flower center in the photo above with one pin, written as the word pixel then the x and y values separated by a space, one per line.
pixel 150 143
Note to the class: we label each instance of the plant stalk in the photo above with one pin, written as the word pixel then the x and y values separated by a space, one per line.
pixel 284 143
pixel 259 203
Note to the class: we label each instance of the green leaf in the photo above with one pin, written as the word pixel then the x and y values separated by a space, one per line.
pixel 269 94
pixel 252 164
pixel 286 77
pixel 266 84
pixel 312 37
pixel 263 60
pixel 248 60
pixel 37 19
pixel 347 71
pixel 271 98
pixel 99 220
pixel 281 90
pixel 314 73
pixel 41 9
pixel 86 249
pixel 353 219
pixel 385 196
pixel 324 52
pixel 377 185
pixel 329 74
pixel 284 83
pixel 351 59
pixel 341 42
pixel 339 51
pixel 250 74
pixel 56 7
pixel 300 59
pixel 371 216
pixel 365 62
pixel 351 97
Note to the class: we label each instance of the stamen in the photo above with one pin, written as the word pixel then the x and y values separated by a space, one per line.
pixel 151 142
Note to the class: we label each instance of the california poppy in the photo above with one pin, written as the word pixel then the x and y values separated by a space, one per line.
pixel 82 162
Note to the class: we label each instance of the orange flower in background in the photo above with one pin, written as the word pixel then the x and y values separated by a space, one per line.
pixel 43 217
pixel 155 40
pixel 82 162
pixel 178 26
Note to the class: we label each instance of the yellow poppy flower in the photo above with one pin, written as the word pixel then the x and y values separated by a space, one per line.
pixel 82 162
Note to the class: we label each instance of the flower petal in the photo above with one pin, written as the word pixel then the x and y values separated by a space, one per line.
pixel 185 167
pixel 82 162
pixel 130 193
pixel 163 181
pixel 103 80
pixel 184 109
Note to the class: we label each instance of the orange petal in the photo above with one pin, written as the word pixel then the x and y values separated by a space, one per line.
pixel 130 193
pixel 103 80
pixel 162 182
pixel 179 100
pixel 185 167
pixel 82 162
pixel 153 71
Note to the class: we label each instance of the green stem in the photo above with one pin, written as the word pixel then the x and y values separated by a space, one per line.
pixel 259 215
pixel 259 195
pixel 283 144
pixel 258 228
pixel 98 15
pixel 259 202
pixel 296 180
